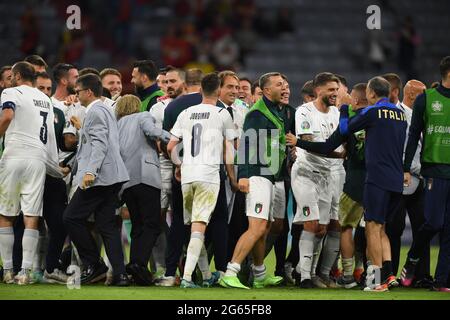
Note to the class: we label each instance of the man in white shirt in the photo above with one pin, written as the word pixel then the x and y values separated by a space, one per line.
pixel 30 151
pixel 206 132
pixel 312 183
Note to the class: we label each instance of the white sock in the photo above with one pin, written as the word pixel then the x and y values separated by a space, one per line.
pixel 203 263
pixel 193 252
pixel 306 248
pixel 6 247
pixel 330 252
pixel 318 242
pixel 39 257
pixel 259 272
pixel 232 269
pixel 347 264
pixel 159 251
pixel 29 244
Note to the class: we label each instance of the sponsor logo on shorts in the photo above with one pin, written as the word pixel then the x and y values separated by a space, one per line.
pixel 258 207
pixel 306 211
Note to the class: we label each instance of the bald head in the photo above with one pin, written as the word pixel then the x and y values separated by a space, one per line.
pixel 412 89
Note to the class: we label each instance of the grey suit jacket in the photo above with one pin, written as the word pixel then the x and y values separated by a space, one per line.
pixel 98 151
pixel 137 138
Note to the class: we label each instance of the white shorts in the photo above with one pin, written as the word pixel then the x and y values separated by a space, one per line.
pixel 279 200
pixel 313 198
pixel 21 187
pixel 336 187
pixel 199 201
pixel 260 198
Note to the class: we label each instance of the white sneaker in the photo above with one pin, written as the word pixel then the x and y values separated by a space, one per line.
pixel 165 281
pixel 57 276
pixel 23 277
pixel 8 276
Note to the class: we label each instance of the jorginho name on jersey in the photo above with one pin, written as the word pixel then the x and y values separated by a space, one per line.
pixel 202 129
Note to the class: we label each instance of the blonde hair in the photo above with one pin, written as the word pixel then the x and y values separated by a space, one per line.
pixel 128 104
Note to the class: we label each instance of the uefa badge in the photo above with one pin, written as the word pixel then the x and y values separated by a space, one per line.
pixel 258 207
pixel 437 106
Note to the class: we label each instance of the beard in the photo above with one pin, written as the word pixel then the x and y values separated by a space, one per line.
pixel 327 101
pixel 139 90
pixel 173 93
pixel 71 89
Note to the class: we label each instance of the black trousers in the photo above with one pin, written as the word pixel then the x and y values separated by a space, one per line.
pixel 144 204
pixel 178 232
pixel 55 202
pixel 102 201
pixel 19 229
pixel 413 205
pixel 217 230
pixel 296 232
pixel 238 222
pixel 280 245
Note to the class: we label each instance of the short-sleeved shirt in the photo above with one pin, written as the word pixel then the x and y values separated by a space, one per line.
pixel 385 126
pixel 157 111
pixel 310 121
pixel 27 134
pixel 202 129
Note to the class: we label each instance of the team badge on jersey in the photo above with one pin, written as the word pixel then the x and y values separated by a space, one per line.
pixel 305 125
pixel 258 207
pixel 306 211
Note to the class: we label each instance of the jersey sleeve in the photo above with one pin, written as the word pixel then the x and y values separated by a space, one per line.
pixel 229 131
pixel 356 123
pixel 334 141
pixel 9 99
pixel 177 129
pixel 303 122
pixel 157 111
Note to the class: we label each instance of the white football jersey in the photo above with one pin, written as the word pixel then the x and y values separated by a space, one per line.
pixel 309 120
pixel 157 111
pixel 202 129
pixel 72 110
pixel 28 133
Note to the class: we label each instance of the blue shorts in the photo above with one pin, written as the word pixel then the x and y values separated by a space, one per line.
pixel 379 203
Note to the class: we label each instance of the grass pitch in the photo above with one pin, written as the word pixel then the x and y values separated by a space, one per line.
pixel 101 292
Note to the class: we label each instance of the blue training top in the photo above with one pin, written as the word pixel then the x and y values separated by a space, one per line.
pixel 385 126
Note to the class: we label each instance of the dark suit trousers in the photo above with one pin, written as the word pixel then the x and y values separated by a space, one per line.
pixel 238 222
pixel 217 230
pixel 178 232
pixel 413 205
pixel 102 201
pixel 55 202
pixel 144 204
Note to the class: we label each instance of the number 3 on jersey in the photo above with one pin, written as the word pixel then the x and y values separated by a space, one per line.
pixel 44 129
pixel 196 139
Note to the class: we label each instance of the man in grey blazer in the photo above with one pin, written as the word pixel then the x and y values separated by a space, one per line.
pixel 138 138
pixel 101 173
